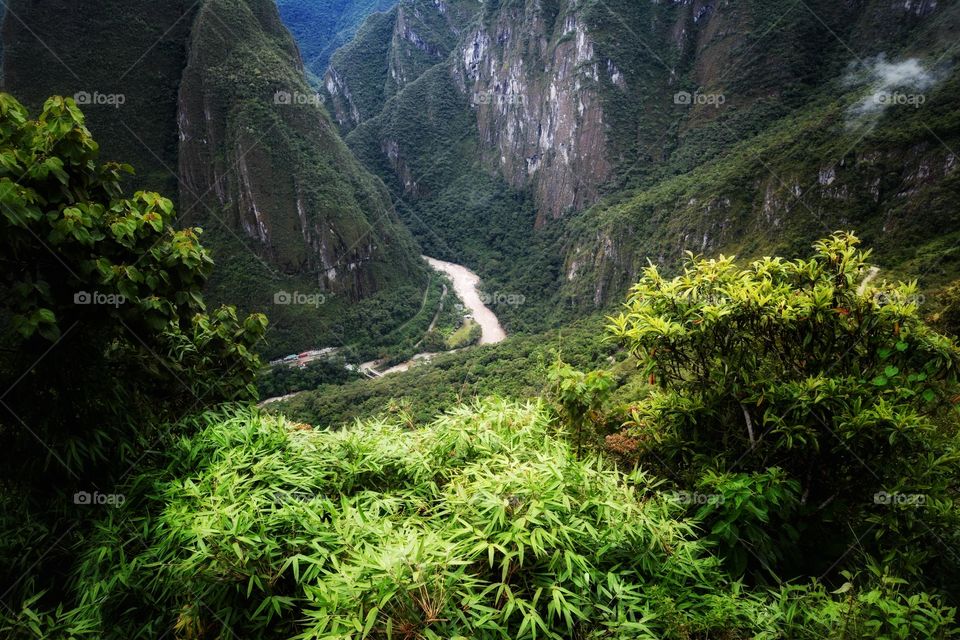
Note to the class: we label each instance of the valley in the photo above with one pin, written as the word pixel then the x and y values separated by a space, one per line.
pixel 487 319
pixel 465 290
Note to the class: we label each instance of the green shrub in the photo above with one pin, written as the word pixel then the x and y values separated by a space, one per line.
pixel 106 334
pixel 580 396
pixel 875 605
pixel 817 371
pixel 101 300
pixel 482 524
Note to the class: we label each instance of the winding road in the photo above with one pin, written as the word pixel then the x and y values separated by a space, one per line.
pixel 465 283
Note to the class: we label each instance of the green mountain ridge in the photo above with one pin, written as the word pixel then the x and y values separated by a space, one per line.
pixel 217 113
pixel 323 26
pixel 606 134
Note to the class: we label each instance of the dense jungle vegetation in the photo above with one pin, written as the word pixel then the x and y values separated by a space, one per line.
pixel 765 450
pixel 479 320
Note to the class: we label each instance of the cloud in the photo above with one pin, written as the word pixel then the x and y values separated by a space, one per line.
pixel 887 84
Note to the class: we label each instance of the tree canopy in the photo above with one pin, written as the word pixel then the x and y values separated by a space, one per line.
pixel 102 298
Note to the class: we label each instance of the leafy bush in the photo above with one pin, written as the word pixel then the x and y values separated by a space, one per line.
pixel 580 396
pixel 483 524
pixel 874 605
pixel 816 371
pixel 106 331
pixel 102 297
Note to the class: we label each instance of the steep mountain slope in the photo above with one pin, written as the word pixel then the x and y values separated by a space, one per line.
pixel 393 91
pixel 210 102
pixel 391 51
pixel 252 131
pixel 791 132
pixel 323 26
pixel 623 130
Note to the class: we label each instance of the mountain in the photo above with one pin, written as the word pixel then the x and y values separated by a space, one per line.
pixel 323 26
pixel 392 50
pixel 209 101
pixel 804 134
pixel 557 145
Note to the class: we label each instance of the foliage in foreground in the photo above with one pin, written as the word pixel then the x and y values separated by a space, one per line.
pixel 483 524
pixel 101 299
pixel 105 330
pixel 809 403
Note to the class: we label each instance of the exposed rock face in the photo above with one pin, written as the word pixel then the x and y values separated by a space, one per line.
pixel 252 153
pixel 893 197
pixel 342 105
pixel 534 83
pixel 528 71
pixel 392 50
pixel 282 173
pixel 776 197
pixel 647 101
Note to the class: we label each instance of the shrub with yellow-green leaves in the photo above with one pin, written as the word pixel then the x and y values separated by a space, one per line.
pixel 809 397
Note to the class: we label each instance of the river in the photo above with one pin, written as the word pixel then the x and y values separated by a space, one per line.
pixel 465 283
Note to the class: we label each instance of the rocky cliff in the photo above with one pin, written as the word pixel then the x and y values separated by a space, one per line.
pixel 629 130
pixel 527 71
pixel 534 78
pixel 209 101
pixel 255 142
pixel 785 132
pixel 391 51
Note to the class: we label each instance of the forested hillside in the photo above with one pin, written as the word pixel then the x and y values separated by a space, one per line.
pixel 322 27
pixel 604 134
pixel 210 103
